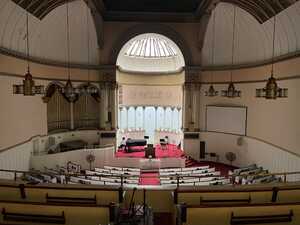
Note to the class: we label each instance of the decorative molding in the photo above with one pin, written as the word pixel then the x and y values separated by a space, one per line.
pixel 296 77
pixel 48 62
pixel 152 28
pixel 4 74
pixel 175 72
pixel 250 65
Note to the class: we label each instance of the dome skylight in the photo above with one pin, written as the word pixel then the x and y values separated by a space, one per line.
pixel 150 47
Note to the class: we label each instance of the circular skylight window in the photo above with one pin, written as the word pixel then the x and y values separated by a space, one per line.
pixel 150 47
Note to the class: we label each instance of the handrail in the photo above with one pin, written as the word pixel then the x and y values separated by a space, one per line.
pixel 42 136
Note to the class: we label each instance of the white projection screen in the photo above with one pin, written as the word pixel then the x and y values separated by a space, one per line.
pixel 226 119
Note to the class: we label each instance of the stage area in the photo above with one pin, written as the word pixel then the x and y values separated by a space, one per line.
pixel 169 151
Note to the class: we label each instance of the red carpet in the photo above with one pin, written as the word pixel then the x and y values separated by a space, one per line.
pixel 149 179
pixel 171 151
pixel 223 168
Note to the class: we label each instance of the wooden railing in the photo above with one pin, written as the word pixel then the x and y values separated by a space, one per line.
pixel 18 173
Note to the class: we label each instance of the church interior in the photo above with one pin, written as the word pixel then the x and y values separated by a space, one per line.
pixel 148 112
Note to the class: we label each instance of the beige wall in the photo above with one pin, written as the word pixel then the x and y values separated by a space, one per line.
pixel 20 117
pixel 13 65
pixel 275 121
pixel 23 117
pixel 149 79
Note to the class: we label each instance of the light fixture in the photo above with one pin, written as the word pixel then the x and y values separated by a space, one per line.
pixel 28 88
pixel 231 92
pixel 211 91
pixel 68 90
pixel 88 88
pixel 272 91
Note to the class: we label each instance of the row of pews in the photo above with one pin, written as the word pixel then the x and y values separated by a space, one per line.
pixel 192 176
pixel 113 176
pixel 252 174
pixel 224 205
pixel 170 177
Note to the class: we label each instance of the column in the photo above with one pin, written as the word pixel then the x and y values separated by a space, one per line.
pixel 179 118
pixel 144 118
pixel 72 115
pixel 155 107
pixel 186 107
pixel 173 119
pixel 127 124
pixel 113 104
pixel 135 117
pixel 164 121
pixel 120 117
pixel 102 105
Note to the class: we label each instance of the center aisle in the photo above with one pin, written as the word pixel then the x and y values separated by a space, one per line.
pixel 147 178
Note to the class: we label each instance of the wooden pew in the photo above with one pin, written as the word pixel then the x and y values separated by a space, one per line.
pixel 258 193
pixel 34 218
pixel 237 214
pixel 17 191
pixel 67 213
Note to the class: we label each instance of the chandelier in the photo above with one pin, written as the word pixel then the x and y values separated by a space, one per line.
pixel 68 90
pixel 28 88
pixel 231 91
pixel 272 91
pixel 211 91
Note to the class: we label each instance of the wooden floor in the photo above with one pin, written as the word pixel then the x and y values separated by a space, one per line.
pixel 163 219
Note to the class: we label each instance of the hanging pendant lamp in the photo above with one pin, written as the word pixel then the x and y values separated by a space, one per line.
pixel 211 91
pixel 231 91
pixel 272 91
pixel 28 88
pixel 68 90
pixel 88 88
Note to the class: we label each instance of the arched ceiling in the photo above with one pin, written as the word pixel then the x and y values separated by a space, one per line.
pixel 253 40
pixel 48 27
pixel 262 10
pixel 48 40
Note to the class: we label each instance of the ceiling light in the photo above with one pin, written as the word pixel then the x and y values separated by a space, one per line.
pixel 28 88
pixel 272 91
pixel 231 92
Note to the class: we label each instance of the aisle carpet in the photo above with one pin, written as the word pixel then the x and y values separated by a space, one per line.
pixel 149 179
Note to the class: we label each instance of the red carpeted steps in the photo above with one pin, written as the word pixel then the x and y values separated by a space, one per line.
pixel 149 178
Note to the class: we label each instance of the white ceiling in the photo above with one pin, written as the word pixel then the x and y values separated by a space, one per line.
pixel 150 64
pixel 253 40
pixel 48 36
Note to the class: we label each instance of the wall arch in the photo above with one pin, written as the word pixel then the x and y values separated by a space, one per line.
pixel 152 28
